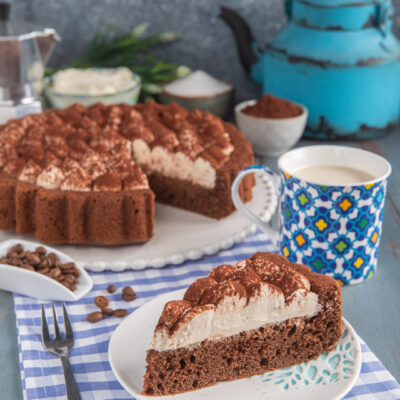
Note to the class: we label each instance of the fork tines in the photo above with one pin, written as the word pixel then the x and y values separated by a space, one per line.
pixel 45 328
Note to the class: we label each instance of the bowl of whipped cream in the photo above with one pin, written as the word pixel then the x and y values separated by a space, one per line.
pixel 92 85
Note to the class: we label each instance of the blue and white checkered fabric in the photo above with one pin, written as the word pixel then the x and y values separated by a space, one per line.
pixel 41 372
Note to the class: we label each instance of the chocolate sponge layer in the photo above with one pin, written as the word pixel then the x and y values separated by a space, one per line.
pixel 56 216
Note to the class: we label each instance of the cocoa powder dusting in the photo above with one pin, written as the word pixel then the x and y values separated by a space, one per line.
pixel 270 106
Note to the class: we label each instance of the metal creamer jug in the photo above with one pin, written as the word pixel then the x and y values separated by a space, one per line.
pixel 338 57
pixel 23 55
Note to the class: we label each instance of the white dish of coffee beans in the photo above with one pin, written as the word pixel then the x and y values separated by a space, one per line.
pixel 41 272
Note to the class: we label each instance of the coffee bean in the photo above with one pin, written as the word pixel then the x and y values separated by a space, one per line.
pixel 55 272
pixel 67 271
pixel 128 297
pixel 66 284
pixel 17 248
pixel 40 250
pixel 107 311
pixel 101 301
pixel 69 278
pixel 52 258
pixel 76 272
pixel 33 259
pixel 43 270
pixel 72 286
pixel 128 294
pixel 111 288
pixel 67 266
pixel 95 316
pixel 12 254
pixel 121 312
pixel 28 266
pixel 16 261
pixel 44 263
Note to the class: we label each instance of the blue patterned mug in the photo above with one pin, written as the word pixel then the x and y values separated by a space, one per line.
pixel 331 208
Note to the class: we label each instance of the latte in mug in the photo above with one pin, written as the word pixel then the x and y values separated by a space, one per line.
pixel 333 175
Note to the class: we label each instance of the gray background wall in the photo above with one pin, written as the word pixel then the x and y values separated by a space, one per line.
pixel 206 42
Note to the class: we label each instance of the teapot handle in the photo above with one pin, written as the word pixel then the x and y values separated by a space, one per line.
pixel 385 16
pixel 243 35
pixel 288 9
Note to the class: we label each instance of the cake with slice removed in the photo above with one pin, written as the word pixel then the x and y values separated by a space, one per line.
pixel 265 313
pixel 89 175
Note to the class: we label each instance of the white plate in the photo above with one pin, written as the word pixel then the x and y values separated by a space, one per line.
pixel 179 236
pixel 329 377
pixel 34 284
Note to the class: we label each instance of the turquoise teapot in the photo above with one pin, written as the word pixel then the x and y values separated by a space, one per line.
pixel 337 57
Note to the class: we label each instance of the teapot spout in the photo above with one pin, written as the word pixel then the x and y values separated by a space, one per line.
pixel 243 36
pixel 46 41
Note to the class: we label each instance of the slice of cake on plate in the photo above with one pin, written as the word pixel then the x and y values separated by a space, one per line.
pixel 265 313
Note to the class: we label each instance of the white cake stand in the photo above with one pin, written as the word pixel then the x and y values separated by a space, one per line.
pixel 179 236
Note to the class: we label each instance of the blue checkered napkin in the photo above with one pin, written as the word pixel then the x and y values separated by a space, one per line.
pixel 41 372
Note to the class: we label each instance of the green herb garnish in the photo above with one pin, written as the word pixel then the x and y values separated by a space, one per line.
pixel 131 50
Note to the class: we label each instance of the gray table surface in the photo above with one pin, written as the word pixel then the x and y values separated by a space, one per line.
pixel 373 307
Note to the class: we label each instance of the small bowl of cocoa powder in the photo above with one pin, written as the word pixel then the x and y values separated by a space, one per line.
pixel 41 272
pixel 272 124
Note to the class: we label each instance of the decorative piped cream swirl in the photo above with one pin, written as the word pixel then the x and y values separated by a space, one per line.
pixel 50 178
pixel 29 172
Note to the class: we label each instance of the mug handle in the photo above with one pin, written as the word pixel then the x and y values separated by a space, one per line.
pixel 270 207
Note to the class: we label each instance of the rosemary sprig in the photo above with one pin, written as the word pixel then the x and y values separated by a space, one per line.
pixel 131 50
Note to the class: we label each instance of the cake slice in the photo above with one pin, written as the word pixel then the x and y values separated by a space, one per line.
pixel 265 313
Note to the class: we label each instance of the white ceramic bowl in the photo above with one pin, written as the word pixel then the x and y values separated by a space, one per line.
pixel 218 104
pixel 36 285
pixel 270 136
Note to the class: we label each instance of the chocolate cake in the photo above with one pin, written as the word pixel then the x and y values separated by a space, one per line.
pixel 90 174
pixel 265 313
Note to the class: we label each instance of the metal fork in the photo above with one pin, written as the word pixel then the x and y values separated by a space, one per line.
pixel 60 346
